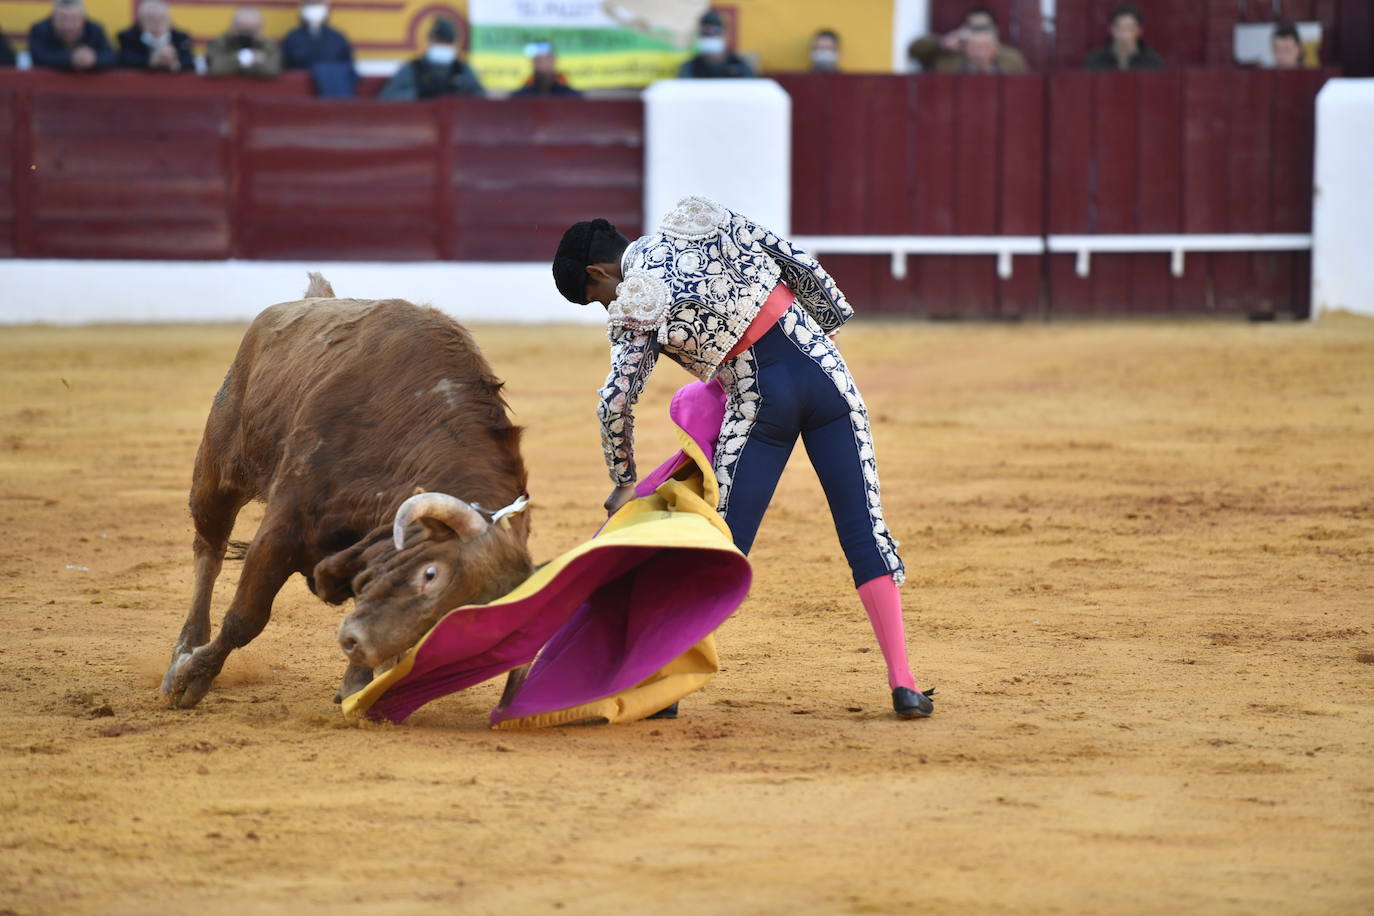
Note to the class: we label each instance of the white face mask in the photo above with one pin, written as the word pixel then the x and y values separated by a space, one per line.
pixel 711 44
pixel 315 14
pixel 825 58
pixel 441 55
pixel 154 41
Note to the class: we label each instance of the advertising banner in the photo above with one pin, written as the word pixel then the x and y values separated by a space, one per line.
pixel 600 44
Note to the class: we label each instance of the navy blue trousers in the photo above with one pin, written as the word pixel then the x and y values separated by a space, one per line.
pixel 801 388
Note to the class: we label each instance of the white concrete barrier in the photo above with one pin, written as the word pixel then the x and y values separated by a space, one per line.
pixel 727 139
pixel 84 292
pixel 1343 198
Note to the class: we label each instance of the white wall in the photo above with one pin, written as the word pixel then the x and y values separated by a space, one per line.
pixel 80 292
pixel 730 140
pixel 1343 198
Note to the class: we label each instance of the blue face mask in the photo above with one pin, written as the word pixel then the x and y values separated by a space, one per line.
pixel 711 44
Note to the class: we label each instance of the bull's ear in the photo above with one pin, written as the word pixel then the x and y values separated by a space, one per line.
pixel 333 576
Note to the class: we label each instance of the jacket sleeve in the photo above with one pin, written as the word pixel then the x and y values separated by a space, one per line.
pixel 185 58
pixel 815 288
pixel 104 52
pixel 6 53
pixel 401 86
pixel 633 355
pixel 44 49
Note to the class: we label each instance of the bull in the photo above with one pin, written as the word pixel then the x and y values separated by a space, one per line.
pixel 337 413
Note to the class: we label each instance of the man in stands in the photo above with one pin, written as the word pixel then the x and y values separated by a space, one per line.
pixel 67 40
pixel 714 59
pixel 545 80
pixel 243 50
pixel 1286 45
pixel 825 52
pixel 440 71
pixel 949 53
pixel 152 44
pixel 313 41
pixel 1125 49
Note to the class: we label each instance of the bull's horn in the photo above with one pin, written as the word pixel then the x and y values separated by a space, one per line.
pixel 453 512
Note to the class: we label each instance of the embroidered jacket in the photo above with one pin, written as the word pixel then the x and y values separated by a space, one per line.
pixel 690 290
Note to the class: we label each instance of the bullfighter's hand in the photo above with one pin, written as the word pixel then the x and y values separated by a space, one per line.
pixel 619 497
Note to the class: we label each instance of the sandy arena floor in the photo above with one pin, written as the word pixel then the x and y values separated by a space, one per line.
pixel 1142 578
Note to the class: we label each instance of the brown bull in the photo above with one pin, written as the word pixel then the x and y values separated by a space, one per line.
pixel 335 412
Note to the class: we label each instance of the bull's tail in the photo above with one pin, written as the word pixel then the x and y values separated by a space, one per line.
pixel 319 287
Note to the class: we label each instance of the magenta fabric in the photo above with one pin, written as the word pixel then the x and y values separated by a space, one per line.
pixel 606 622
pixel 698 410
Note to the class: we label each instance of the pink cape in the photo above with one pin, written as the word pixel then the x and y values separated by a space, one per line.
pixel 612 614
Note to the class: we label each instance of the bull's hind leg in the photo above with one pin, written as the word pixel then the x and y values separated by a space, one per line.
pixel 266 567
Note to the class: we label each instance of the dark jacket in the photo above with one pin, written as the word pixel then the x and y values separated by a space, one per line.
pixel 134 54
pixel 421 79
pixel 6 52
pixel 700 68
pixel 47 50
pixel 1104 58
pixel 559 87
pixel 222 56
pixel 301 48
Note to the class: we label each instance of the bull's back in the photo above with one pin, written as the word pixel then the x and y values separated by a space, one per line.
pixel 342 386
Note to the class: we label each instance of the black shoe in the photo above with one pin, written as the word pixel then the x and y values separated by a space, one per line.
pixel 909 704
pixel 670 712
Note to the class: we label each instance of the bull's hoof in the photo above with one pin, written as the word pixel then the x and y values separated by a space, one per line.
pixel 186 681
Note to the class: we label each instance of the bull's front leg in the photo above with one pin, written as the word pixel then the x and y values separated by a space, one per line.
pixel 266 567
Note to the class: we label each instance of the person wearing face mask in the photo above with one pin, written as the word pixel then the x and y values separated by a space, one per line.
pixel 825 52
pixel 243 50
pixel 152 44
pixel 545 80
pixel 714 58
pixel 313 42
pixel 1124 49
pixel 439 71
pixel 67 40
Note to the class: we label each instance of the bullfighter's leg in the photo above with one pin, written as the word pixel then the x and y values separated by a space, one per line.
pixel 266 567
pixel 213 510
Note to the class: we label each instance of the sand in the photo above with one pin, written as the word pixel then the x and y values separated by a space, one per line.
pixel 1141 577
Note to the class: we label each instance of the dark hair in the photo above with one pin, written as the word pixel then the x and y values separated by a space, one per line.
pixel 1286 30
pixel 827 33
pixel 588 242
pixel 981 10
pixel 1126 9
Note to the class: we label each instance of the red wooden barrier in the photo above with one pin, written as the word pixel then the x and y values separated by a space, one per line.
pixel 1170 152
pixel 934 155
pixel 8 167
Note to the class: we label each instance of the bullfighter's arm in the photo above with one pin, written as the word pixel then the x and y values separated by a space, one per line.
pixel 633 355
pixel 815 288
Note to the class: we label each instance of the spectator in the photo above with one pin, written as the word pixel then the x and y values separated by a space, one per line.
pixel 67 40
pixel 825 52
pixel 313 41
pixel 1124 50
pixel 949 53
pixel 6 52
pixel 152 44
pixel 439 72
pixel 714 58
pixel 1286 46
pixel 544 78
pixel 243 51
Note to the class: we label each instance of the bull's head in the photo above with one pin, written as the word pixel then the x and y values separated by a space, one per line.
pixel 439 554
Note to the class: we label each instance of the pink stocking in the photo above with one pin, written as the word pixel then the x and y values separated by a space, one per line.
pixel 883 602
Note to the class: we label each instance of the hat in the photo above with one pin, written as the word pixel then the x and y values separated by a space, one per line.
pixel 711 17
pixel 443 30
pixel 588 242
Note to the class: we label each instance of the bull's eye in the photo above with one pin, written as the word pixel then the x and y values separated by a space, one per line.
pixel 430 573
